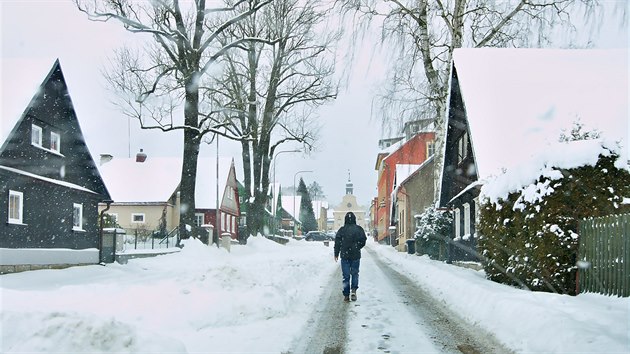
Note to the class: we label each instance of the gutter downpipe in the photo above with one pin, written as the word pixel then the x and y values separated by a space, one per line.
pixel 100 235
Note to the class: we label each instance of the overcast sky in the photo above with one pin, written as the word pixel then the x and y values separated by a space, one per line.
pixel 36 32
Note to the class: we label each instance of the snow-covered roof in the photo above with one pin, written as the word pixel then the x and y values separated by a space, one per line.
pixel 157 178
pixel 395 146
pixel 317 206
pixel 288 205
pixel 403 171
pixel 518 101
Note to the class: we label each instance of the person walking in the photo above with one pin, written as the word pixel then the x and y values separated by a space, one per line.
pixel 348 243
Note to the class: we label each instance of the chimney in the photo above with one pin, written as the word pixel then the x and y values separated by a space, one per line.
pixel 141 156
pixel 105 158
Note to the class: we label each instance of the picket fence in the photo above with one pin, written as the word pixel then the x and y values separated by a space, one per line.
pixel 604 255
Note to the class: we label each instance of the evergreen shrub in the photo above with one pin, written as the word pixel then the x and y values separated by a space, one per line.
pixel 433 227
pixel 534 244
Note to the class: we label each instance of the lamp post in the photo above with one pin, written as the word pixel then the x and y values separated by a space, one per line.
pixel 295 196
pixel 275 196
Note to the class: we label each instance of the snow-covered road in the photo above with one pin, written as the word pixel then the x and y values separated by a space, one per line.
pixel 392 315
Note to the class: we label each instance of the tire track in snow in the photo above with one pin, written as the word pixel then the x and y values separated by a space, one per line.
pixel 381 321
pixel 447 331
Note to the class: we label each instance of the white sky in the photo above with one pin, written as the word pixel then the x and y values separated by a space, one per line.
pixel 36 32
pixel 204 299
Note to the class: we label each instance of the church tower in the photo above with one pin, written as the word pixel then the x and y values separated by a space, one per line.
pixel 349 186
pixel 348 203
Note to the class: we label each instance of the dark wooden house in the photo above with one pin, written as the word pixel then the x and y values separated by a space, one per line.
pixel 509 105
pixel 50 186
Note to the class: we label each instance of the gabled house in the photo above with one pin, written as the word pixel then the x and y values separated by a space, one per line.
pixel 506 105
pixel 290 211
pixel 146 197
pixel 413 193
pixel 411 152
pixel 50 186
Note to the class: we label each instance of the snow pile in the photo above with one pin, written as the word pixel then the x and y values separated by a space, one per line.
pixel 201 299
pixel 557 156
pixel 527 322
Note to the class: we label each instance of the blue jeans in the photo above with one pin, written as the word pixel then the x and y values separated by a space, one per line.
pixel 350 274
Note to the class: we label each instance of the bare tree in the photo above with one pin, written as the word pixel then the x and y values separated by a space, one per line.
pixel 160 83
pixel 271 91
pixel 422 35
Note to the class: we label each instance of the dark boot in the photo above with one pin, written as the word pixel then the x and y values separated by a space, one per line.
pixel 353 295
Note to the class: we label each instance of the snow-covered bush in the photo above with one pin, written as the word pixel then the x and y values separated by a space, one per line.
pixel 432 226
pixel 529 235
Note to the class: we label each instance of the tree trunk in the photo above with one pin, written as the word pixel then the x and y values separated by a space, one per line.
pixel 189 158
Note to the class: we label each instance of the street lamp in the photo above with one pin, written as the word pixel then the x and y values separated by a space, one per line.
pixel 275 197
pixel 295 196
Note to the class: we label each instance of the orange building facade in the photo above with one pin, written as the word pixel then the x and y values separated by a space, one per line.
pixel 413 152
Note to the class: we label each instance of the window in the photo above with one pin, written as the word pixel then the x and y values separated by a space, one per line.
pixel 15 207
pixel 457 226
pixel 230 193
pixel 430 148
pixel 234 223
pixel 466 220
pixel 222 222
pixel 77 217
pixel 36 135
pixel 198 219
pixel 55 142
pixel 462 148
pixel 137 218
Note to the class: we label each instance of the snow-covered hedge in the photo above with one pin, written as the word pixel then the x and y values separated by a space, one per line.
pixel 432 226
pixel 529 226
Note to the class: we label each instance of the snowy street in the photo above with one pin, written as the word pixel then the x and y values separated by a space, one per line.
pixel 265 297
pixel 392 315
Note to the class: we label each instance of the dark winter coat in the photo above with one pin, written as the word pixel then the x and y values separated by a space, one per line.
pixel 350 239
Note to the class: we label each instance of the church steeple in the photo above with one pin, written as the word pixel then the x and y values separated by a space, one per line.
pixel 349 186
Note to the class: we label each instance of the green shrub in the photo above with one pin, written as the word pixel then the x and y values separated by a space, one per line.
pixel 535 243
pixel 433 226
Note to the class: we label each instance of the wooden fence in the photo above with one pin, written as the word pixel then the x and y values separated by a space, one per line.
pixel 604 255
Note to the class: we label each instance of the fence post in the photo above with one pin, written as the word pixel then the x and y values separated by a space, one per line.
pixel 135 240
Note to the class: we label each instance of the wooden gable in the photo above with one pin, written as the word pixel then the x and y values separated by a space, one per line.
pixel 459 169
pixel 60 153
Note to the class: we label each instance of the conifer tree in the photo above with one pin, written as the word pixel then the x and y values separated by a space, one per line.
pixel 307 216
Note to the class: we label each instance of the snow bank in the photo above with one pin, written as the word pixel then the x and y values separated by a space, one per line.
pixel 527 322
pixel 200 299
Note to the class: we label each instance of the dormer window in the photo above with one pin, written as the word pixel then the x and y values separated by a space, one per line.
pixel 55 142
pixel 36 135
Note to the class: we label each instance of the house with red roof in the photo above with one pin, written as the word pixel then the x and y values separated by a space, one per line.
pixel 146 199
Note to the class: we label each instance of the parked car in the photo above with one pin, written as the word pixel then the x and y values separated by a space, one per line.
pixel 331 234
pixel 316 236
